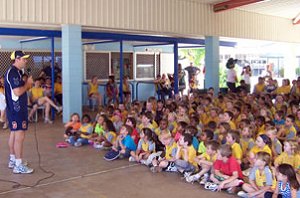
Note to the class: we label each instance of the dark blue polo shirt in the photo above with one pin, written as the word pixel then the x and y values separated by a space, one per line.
pixel 17 113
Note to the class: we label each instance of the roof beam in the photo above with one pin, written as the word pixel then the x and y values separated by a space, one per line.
pixel 226 5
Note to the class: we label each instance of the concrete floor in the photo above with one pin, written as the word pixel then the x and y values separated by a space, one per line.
pixel 82 172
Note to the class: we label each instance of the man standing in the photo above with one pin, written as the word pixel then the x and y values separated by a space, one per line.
pixel 17 113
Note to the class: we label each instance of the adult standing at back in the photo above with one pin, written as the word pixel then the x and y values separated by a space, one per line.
pixel 192 70
pixel 17 112
pixel 246 73
pixel 231 74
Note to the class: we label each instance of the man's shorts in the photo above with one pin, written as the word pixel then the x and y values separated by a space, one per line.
pixel 18 122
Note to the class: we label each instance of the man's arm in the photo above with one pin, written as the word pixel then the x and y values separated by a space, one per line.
pixel 21 90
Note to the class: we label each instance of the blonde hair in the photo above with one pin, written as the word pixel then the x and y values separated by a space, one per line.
pixel 294 146
pixel 264 156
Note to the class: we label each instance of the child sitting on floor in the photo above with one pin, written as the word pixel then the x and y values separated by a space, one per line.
pixel 145 146
pixel 226 171
pixel 72 126
pixel 123 146
pixel 185 156
pixel 205 161
pixel 167 162
pixel 85 132
pixel 260 178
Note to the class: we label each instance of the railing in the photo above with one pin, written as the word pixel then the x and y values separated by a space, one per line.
pixel 118 83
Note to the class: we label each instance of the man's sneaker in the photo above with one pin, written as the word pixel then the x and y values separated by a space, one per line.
pixel 242 194
pixel 204 179
pixel 11 164
pixel 22 169
pixel 48 121
pixel 192 178
pixel 131 159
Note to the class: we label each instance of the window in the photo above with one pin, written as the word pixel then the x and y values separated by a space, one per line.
pixel 97 63
pixel 147 65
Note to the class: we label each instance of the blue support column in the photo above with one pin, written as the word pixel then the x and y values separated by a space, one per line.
pixel 212 63
pixel 121 72
pixel 176 68
pixel 52 74
pixel 72 72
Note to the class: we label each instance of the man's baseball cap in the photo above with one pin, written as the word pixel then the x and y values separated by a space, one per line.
pixel 18 54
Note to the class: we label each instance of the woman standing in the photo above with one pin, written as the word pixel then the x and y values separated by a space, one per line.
pixel 247 73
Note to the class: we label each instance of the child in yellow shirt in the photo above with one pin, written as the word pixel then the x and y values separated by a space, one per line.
pixel 233 139
pixel 260 179
pixel 290 155
pixel 205 161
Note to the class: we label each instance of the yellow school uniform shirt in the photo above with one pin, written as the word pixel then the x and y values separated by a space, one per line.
pixel 169 150
pixel 260 179
pixel 93 88
pixel 125 87
pixel 36 93
pixel 259 88
pixel 283 90
pixel 173 127
pixel 232 125
pixel 58 88
pixel 245 144
pixel 237 151
pixel 191 155
pixel 84 131
pixel 290 133
pixel 141 126
pixel 111 133
pixel 284 158
pixel 209 158
pixel 266 149
pixel 261 130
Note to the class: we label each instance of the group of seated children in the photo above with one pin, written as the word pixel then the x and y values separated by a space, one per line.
pixel 237 149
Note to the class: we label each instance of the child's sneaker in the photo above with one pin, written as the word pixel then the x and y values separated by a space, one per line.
pixel 144 162
pixel 131 159
pixel 204 179
pixel 187 174
pixel 59 109
pixel 111 155
pixel 211 186
pixel 242 194
pixel 22 169
pixel 155 169
pixel 192 178
pixel 77 144
pixel 98 146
